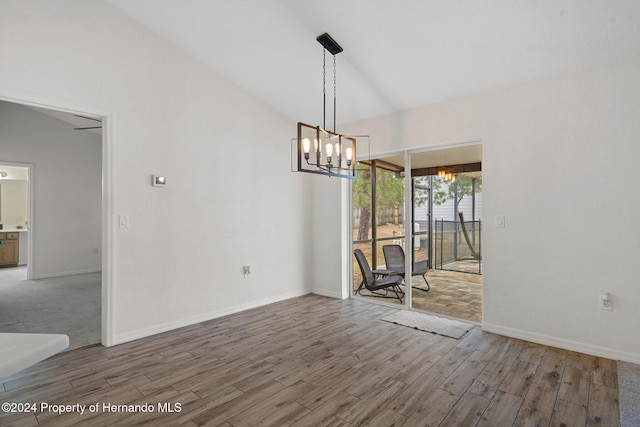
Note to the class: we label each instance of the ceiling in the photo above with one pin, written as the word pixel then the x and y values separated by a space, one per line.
pixel 397 54
pixel 79 122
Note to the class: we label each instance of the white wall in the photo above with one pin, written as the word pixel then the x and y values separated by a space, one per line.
pixel 67 179
pixel 551 149
pixel 231 199
pixel 325 249
pixel 13 199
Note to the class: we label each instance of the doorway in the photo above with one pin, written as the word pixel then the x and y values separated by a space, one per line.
pixel 14 214
pixel 436 221
pixel 66 243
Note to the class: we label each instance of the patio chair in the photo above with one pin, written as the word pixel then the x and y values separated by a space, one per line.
pixel 383 282
pixel 394 260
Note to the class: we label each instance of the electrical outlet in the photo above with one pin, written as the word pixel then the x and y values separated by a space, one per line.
pixel 605 302
pixel 246 270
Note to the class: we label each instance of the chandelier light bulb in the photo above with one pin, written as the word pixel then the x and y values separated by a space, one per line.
pixel 329 148
pixel 306 145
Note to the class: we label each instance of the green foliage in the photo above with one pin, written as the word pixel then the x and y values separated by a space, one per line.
pixel 390 192
pixel 421 190
pixel 389 189
pixel 465 188
pixel 439 195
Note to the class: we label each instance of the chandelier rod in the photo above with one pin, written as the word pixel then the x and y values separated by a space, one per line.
pixel 324 88
pixel 328 44
pixel 334 93
pixel 324 91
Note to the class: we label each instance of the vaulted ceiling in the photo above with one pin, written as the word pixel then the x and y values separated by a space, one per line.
pixel 398 54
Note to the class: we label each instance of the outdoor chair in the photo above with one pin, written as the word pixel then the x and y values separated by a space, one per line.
pixel 383 282
pixel 394 260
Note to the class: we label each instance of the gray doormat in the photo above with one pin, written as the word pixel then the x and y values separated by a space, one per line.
pixel 428 323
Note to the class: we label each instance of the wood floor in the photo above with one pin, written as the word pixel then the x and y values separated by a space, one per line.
pixel 316 361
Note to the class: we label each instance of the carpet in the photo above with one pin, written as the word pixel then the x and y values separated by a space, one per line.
pixel 629 389
pixel 428 323
pixel 69 305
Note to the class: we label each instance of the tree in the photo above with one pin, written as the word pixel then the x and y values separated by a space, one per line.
pixel 362 199
pixel 389 194
pixel 465 188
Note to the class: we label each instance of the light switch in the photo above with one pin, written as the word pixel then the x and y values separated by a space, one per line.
pixel 123 221
pixel 499 221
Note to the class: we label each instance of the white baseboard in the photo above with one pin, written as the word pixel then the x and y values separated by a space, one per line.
pixel 65 273
pixel 164 327
pixel 580 347
pixel 327 293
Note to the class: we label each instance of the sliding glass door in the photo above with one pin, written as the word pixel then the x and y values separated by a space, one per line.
pixel 377 217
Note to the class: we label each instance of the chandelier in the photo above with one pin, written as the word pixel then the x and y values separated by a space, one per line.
pixel 323 151
pixel 446 175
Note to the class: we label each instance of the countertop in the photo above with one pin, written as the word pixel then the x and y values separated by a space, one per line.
pixel 13 230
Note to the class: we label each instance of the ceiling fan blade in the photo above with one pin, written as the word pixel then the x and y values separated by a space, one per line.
pixel 88 118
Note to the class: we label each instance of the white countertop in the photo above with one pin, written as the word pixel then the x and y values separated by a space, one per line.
pixel 13 230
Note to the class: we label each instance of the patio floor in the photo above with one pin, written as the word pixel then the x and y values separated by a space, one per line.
pixel 453 294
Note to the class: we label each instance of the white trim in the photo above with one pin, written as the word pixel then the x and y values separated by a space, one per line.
pixel 346 238
pixel 108 236
pixel 434 147
pixel 67 273
pixel 34 100
pixel 30 216
pixel 408 230
pixel 579 347
pixel 330 294
pixel 169 326
pixel 37 100
pixel 348 211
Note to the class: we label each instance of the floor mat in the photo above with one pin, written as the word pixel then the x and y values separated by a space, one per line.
pixel 428 323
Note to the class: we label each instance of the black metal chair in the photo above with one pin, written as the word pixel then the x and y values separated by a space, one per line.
pixel 394 260
pixel 383 282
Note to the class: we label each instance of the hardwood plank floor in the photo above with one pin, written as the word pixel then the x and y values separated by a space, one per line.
pixel 316 361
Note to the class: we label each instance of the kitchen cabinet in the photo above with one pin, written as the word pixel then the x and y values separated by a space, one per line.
pixel 9 249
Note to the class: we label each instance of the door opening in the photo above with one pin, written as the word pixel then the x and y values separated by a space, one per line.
pixel 444 226
pixel 75 259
